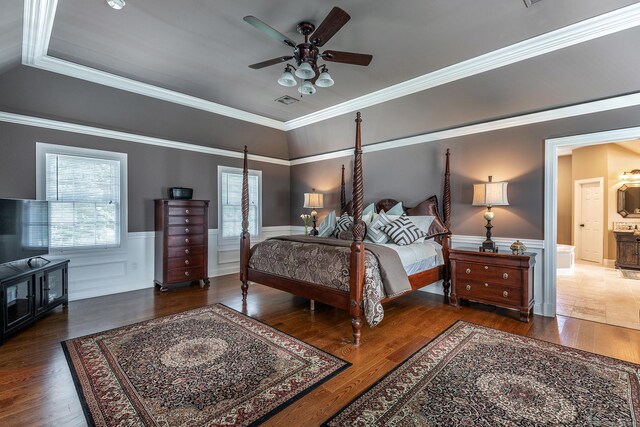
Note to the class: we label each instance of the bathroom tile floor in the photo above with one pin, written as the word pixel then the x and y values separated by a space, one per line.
pixel 598 293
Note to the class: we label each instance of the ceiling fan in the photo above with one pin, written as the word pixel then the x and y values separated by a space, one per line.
pixel 307 54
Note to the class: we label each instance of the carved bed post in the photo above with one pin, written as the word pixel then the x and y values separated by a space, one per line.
pixel 343 194
pixel 245 238
pixel 356 270
pixel 446 240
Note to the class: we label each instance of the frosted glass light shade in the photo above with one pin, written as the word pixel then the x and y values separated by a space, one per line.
pixel 305 71
pixel 490 194
pixel 306 88
pixel 324 80
pixel 287 79
pixel 116 4
pixel 313 200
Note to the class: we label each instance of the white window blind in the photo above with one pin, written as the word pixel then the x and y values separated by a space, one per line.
pixel 84 201
pixel 231 203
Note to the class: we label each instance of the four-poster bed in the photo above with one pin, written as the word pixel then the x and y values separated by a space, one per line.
pixel 381 270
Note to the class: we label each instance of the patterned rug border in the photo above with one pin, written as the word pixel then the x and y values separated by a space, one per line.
pixel 455 324
pixel 265 417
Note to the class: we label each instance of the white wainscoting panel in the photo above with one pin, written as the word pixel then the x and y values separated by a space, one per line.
pixel 110 272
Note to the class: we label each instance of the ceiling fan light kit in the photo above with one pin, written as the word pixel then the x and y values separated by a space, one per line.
pixel 307 54
pixel 116 4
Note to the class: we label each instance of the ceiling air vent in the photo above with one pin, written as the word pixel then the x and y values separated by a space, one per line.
pixel 286 100
pixel 530 3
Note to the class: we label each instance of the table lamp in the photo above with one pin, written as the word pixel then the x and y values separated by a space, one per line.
pixel 313 201
pixel 490 194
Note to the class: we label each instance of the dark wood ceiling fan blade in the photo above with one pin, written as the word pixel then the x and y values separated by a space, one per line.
pixel 347 57
pixel 270 62
pixel 330 26
pixel 268 30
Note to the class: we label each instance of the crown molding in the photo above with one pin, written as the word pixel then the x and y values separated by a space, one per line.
pixel 589 29
pixel 39 16
pixel 125 136
pixel 526 119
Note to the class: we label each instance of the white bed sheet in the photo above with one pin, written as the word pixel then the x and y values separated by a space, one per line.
pixel 419 257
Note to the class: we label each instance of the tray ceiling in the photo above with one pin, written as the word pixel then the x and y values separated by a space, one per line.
pixel 203 48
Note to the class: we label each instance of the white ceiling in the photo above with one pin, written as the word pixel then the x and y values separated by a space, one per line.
pixel 203 48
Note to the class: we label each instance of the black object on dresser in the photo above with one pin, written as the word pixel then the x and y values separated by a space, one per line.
pixel 627 250
pixel 498 279
pixel 29 291
pixel 181 242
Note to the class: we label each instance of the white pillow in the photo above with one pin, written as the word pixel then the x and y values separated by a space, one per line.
pixel 423 222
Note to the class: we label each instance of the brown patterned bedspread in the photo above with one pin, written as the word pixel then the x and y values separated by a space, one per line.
pixel 323 265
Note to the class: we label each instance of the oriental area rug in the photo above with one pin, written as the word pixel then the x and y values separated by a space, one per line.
pixel 204 367
pixel 476 376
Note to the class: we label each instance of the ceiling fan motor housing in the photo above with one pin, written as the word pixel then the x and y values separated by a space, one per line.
pixel 306 52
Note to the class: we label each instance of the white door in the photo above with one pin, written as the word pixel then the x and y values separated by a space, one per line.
pixel 590 223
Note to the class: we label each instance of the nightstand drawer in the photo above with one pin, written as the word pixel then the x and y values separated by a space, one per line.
pixel 489 273
pixel 489 292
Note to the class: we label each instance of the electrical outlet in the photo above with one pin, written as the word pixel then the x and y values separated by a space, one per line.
pixel 134 265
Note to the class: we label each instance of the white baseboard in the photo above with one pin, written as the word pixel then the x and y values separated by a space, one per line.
pixel 111 272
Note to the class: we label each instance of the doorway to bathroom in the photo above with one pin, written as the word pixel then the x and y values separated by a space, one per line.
pixel 589 285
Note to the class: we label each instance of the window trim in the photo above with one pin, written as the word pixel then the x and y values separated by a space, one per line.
pixel 252 172
pixel 42 149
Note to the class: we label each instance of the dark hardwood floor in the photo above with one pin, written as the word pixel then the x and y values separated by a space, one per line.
pixel 36 388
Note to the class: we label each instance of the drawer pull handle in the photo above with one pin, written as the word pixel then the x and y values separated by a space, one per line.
pixel 486 285
pixel 468 287
pixel 505 294
pixel 186 230
pixel 186 221
pixel 186 261
pixel 486 267
pixel 186 273
pixel 468 271
pixel 186 240
pixel 186 251
pixel 505 276
pixel 187 211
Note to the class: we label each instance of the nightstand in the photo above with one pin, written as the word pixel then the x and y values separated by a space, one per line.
pixel 503 280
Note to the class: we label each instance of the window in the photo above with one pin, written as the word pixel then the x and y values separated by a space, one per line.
pixel 230 202
pixel 86 191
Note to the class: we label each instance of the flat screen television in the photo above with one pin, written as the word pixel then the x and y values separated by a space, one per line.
pixel 24 229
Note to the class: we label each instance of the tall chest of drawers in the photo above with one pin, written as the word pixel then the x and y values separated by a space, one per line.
pixel 504 280
pixel 181 242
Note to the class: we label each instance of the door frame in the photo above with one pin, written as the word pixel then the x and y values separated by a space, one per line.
pixel 577 213
pixel 552 146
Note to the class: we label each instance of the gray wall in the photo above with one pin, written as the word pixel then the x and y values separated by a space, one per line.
pixel 413 173
pixel 151 170
pixel 34 92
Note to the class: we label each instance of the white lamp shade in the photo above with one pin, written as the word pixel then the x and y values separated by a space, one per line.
pixel 287 79
pixel 313 200
pixel 490 194
pixel 306 88
pixel 324 80
pixel 116 4
pixel 305 71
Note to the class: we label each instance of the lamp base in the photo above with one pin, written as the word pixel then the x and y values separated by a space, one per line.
pixel 489 246
pixel 314 230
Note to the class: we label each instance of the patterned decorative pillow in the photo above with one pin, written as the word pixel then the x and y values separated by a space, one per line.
pixel 374 232
pixel 328 225
pixel 403 232
pixel 423 222
pixel 345 222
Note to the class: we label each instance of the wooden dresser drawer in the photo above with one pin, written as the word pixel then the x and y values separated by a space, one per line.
pixel 489 273
pixel 176 230
pixel 185 240
pixel 185 274
pixel 187 210
pixel 185 261
pixel 489 292
pixel 185 251
pixel 186 220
